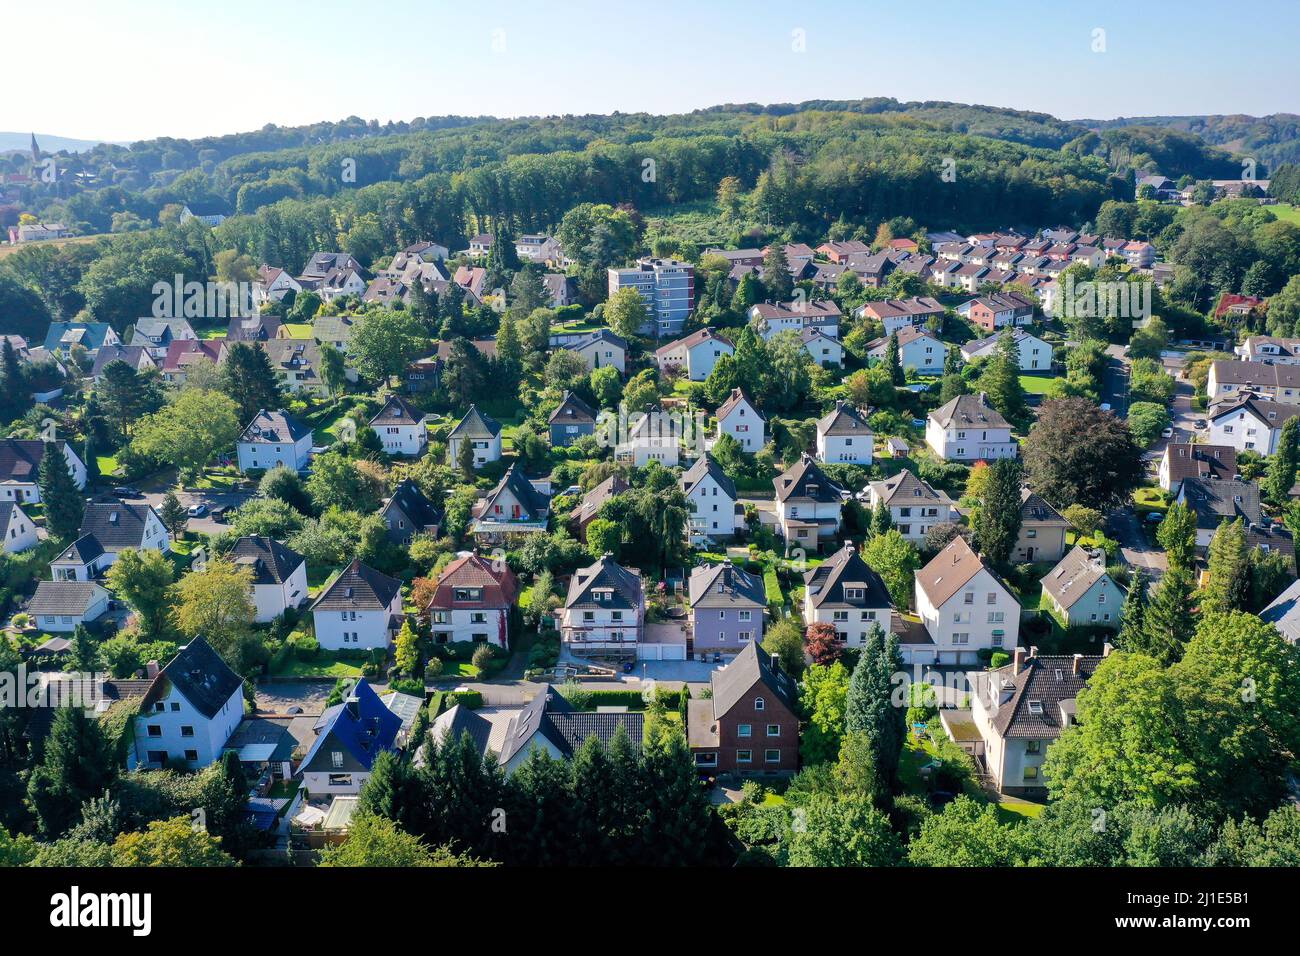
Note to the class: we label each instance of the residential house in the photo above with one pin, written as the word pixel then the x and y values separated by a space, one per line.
pixel 914 506
pixel 655 435
pixel 741 419
pixel 192 707
pixel 1279 383
pixel 297 364
pixel 472 602
pixel 1035 354
pixel 274 284
pixel 59 606
pixel 322 264
pixel 423 375
pixel 808 504
pixel 472 279
pixel 514 506
pixel 726 608
pixel 20 466
pixel 845 592
pixel 91 336
pixel 279 575
pixel 1267 348
pixel 1080 592
pixel 604 611
pixel 540 249
pixel 262 327
pixel 841 251
pixel 482 432
pixel 588 509
pixel 696 354
pixel 1017 711
pixel 738 257
pixel 1284 613
pixel 271 439
pixel 666 286
pixel 17 529
pixel 185 355
pixel 571 419
pixel 992 312
pixel 771 319
pixel 211 213
pixel 560 289
pixel 409 512
pixel 749 724
pixel 965 606
pixel 1214 501
pixel 1182 460
pixel 895 314
pixel 361 609
pixel 711 496
pixel 844 437
pixel 1246 421
pixel 480 245
pixel 157 334
pixel 136 356
pixel 108 528
pixel 599 349
pixel 349 737
pixel 400 427
pixel 968 429
pixel 918 350
pixel 1042 530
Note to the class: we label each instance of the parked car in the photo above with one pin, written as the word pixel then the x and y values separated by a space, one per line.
pixel 220 511
pixel 126 491
pixel 1105 406
pixel 198 510
pixel 1167 433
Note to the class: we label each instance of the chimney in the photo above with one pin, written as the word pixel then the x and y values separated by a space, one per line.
pixel 353 705
pixel 1033 651
pixel 1106 649
pixel 1018 661
pixel 1078 663
pixel 151 669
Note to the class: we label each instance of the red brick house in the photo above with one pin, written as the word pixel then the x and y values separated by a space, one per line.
pixel 750 725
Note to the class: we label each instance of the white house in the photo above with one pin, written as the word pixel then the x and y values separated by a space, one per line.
pixel 157 334
pixel 472 602
pixel 279 575
pixel 712 499
pixel 1278 383
pixel 273 284
pixel 1080 591
pixel 1246 421
pixel 654 436
pixel 599 349
pixel 361 609
pixel 1182 460
pixel 17 530
pixel 349 736
pixel 843 436
pixel 845 592
pixel 914 506
pixel 824 349
pixel 604 612
pixel 771 319
pixel 482 432
pixel 739 418
pixel 401 428
pixel 964 606
pixel 108 528
pixel 20 466
pixel 271 439
pixel 62 605
pixel 1035 354
pixel 697 353
pixel 189 712
pixel 918 350
pixel 968 429
pixel 808 505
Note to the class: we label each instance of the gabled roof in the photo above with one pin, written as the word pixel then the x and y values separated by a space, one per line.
pixel 200 675
pixel 20 459
pixel 116 524
pixel 572 410
pixel 605 575
pixel 906 336
pixel 361 725
pixel 1213 501
pixel 845 568
pixel 298 355
pixel 412 502
pixel 1034 508
pixel 497 585
pixel 969 411
pixel 950 571
pixel 751 666
pixel 64 597
pixel 358 588
pixel 533 502
pixel 1232 372
pixel 891 308
pixel 476 424
pixel 136 356
pixel 183 352
pixel 1273 414
pixel 7 511
pixel 1284 613
pixel 397 411
pixel 587 509
pixel 906 488
pixel 733 401
pixel 1031 703
pixel 567 729
pixel 705 465
pixel 1073 575
pixel 1185 460
pixel 844 419
pixel 699 337
pixel 275 427
pixel 600 336
pixel 89 334
pixel 82 551
pixel 804 479
pixel 724 585
pixel 270 561
pixel 253 328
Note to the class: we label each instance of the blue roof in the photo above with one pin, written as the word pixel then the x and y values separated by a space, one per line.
pixel 373 729
pixel 95 333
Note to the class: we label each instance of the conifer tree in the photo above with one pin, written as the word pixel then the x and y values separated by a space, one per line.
pixel 64 506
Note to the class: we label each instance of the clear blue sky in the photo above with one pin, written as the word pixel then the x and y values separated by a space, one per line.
pixel 133 69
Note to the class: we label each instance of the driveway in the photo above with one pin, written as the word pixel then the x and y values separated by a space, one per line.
pixel 232 498
pixel 1183 417
pixel 1115 381
pixel 1133 547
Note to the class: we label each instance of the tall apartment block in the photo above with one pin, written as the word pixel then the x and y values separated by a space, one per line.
pixel 667 287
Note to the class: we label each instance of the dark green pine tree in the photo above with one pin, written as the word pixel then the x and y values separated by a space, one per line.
pixel 462 791
pixel 1282 466
pixel 248 378
pixel 598 798
pixel 78 765
pixel 1170 617
pixel 776 274
pixel 894 361
pixel 11 382
pixel 1132 628
pixel 391 791
pixel 91 458
pixel 869 706
pixel 85 652
pixel 64 506
pixel 679 820
pixel 997 523
pixel 881 519
pixel 173 514
pixel 540 804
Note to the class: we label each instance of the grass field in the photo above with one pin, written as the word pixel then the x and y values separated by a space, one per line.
pixel 1036 384
pixel 1286 212
pixel 298 330
pixel 8 250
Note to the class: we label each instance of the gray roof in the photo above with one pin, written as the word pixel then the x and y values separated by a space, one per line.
pixel 535 504
pixel 1200 461
pixel 591 502
pixel 1029 703
pixel 476 424
pixel 82 551
pixel 1256 373
pixel 907 487
pixel 751 666
pixel 969 411
pixel 270 561
pixel 1284 613
pixel 358 588
pixel 804 479
pixel 845 568
pixel 551 715
pixel 20 459
pixel 397 411
pixel 201 676
pixel 1073 575
pixel 1034 508
pixel 276 427
pixel 253 328
pixel 412 502
pixel 572 410
pixel 843 420
pixel 625 583
pixel 116 524
pixel 1213 501
pixel 705 465
pixel 725 585
pixel 64 597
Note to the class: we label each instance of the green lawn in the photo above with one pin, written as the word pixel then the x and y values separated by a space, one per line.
pixel 298 330
pixel 107 464
pixel 1286 212
pixel 323 664
pixel 1013 810
pixel 1036 384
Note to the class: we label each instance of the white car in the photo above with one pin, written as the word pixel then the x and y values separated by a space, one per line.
pixel 1105 406
pixel 1167 433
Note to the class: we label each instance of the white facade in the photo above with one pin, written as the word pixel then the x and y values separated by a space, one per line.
pixel 272 600
pixel 823 349
pixel 969 443
pixel 353 630
pixel 21 533
pixel 982 614
pixel 410 440
pixel 845 449
pixel 268 454
pixel 601 353
pixel 65 623
pixel 481 624
pixel 925 354
pixel 30 491
pixel 485 450
pixel 714 511
pixel 914 521
pixel 697 358
pixel 852 624
pixel 175 728
pixel 1244 430
pixel 743 423
pixel 795 517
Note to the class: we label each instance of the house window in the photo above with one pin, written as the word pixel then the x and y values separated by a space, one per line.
pixel 772 756
pixel 744 756
pixel 187 731
pixel 745 616
pixel 340 780
pixel 155 730
pixel 774 730
pixel 961 638
pixel 336 758
pixel 1033 746
pixel 1031 773
pixel 192 756
pixel 745 730
pixel 759 703
pixel 968 597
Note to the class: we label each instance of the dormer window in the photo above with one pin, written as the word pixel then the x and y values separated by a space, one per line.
pixel 1036 707
pixel 759 703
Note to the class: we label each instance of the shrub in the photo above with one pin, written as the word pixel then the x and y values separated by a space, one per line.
pixel 305 646
pixel 470 698
pixel 483 657
pixel 999 659
pixel 408 685
pixel 433 669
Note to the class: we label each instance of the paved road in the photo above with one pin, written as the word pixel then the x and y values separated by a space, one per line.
pixel 1183 417
pixel 1115 381
pixel 1133 547
pixel 212 499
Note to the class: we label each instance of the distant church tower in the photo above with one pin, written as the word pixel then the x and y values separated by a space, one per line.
pixel 36 151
